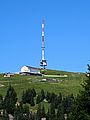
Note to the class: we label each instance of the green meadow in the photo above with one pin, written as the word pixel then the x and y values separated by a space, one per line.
pixel 66 85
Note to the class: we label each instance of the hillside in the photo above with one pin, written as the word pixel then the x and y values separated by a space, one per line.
pixel 65 85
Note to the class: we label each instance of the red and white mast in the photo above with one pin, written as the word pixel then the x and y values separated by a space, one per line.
pixel 42 39
pixel 43 62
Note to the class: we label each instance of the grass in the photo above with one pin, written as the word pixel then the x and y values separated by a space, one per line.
pixel 69 85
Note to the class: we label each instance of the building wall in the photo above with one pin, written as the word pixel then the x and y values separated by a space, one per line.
pixel 29 69
pixel 25 69
pixel 34 70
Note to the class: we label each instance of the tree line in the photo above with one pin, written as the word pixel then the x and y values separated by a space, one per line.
pixel 57 105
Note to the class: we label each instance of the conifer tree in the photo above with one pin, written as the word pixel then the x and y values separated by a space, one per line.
pixel 10 100
pixel 52 115
pixel 42 95
pixel 60 98
pixel 1 102
pixel 38 117
pixel 81 109
pixel 24 98
pixel 40 111
pixel 52 98
pixel 68 103
pixel 28 96
pixel 38 99
pixel 21 112
pixel 43 112
pixel 18 113
pixel 33 92
pixel 32 116
pixel 48 97
pixel 5 116
pixel 48 114
pixel 60 112
pixel 32 101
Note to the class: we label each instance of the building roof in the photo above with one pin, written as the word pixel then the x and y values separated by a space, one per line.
pixel 32 67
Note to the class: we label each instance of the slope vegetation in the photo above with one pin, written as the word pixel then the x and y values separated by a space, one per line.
pixel 66 85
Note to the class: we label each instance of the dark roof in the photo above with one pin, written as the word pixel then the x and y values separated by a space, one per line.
pixel 32 67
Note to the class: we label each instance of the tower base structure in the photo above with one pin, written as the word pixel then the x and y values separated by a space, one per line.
pixel 43 63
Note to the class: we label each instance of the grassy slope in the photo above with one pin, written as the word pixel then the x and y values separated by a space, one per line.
pixel 71 84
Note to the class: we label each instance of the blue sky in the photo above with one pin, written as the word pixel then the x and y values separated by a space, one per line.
pixel 67 34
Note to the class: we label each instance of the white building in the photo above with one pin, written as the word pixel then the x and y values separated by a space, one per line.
pixel 30 70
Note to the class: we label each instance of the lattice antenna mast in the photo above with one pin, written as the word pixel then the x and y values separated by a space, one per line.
pixel 43 62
